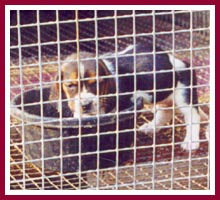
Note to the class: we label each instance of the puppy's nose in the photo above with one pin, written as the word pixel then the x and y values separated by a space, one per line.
pixel 86 105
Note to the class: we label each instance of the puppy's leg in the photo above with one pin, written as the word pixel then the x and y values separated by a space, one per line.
pixel 161 118
pixel 192 120
pixel 191 116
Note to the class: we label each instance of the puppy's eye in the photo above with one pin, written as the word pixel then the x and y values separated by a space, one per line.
pixel 71 85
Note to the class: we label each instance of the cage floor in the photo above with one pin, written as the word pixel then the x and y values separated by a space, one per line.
pixel 161 166
pixel 166 176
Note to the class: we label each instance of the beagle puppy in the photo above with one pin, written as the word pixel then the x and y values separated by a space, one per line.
pixel 92 86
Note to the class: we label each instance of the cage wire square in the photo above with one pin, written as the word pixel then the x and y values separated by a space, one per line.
pixel 40 39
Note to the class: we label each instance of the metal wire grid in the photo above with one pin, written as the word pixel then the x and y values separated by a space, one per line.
pixel 153 167
pixel 144 167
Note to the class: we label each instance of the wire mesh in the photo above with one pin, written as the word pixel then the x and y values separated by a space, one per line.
pixel 40 40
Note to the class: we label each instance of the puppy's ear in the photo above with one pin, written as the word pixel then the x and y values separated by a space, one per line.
pixel 54 90
pixel 107 86
pixel 54 93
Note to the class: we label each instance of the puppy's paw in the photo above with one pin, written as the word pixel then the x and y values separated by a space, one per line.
pixel 190 145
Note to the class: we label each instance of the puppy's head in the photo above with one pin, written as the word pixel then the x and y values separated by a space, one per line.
pixel 83 84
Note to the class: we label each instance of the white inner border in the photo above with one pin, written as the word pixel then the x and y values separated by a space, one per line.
pixel 110 7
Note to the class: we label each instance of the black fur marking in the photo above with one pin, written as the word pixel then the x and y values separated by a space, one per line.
pixel 144 82
pixel 184 77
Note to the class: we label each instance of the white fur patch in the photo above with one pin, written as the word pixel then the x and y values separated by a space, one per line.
pixel 192 119
pixel 161 118
pixel 82 99
pixel 82 70
pixel 109 66
pixel 146 97
pixel 179 94
pixel 178 64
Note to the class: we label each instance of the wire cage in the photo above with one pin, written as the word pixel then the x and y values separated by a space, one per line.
pixel 42 158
